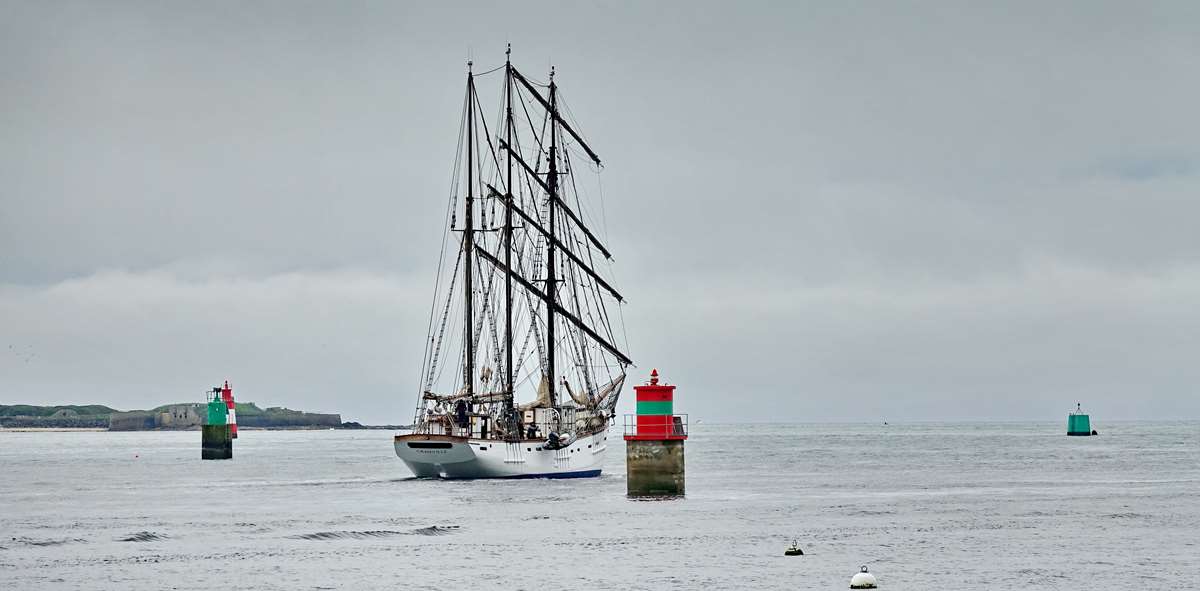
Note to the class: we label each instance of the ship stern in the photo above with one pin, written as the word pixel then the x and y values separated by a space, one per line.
pixel 432 456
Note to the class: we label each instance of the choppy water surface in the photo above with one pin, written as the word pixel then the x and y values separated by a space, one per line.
pixel 927 506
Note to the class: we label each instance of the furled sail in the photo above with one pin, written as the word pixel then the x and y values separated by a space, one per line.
pixel 542 400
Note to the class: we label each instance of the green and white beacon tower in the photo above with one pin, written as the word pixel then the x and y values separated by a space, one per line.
pixel 1078 422
pixel 220 425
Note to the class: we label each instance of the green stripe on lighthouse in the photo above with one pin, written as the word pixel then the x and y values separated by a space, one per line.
pixel 655 408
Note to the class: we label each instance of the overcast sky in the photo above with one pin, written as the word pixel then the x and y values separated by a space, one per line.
pixel 818 211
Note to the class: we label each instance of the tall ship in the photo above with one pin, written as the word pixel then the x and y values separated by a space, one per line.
pixel 524 358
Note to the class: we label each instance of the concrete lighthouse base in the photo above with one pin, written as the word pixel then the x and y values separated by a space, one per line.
pixel 216 442
pixel 654 467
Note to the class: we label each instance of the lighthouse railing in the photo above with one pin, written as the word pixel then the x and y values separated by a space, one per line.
pixel 656 426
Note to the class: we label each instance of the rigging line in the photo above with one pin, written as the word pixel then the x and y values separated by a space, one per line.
pixel 534 81
pixel 458 371
pixel 525 355
pixel 477 326
pixel 603 209
pixel 595 312
pixel 570 253
pixel 576 354
pixel 602 308
pixel 587 381
pixel 528 379
pixel 558 308
pixel 487 134
pixel 565 105
pixel 478 179
pixel 497 361
pixel 583 209
pixel 591 288
pixel 517 146
pixel 570 118
pixel 489 309
pixel 525 346
pixel 624 331
pixel 459 359
pixel 534 312
pixel 454 176
pixel 554 199
pixel 574 189
pixel 529 119
pixel 442 329
pixel 607 322
pixel 582 147
pixel 546 124
pixel 529 185
pixel 538 248
pixel 430 357
pixel 600 303
pixel 525 349
pixel 500 120
pixel 491 71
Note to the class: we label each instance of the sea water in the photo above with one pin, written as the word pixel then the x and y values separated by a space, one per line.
pixel 926 506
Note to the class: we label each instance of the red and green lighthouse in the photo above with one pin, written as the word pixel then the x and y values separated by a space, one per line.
pixel 654 442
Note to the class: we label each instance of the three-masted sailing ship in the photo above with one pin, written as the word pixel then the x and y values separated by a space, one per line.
pixel 522 369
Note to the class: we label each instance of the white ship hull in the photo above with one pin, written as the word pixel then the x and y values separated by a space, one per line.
pixel 446 456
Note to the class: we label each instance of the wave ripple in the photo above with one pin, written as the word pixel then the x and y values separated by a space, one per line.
pixel 433 530
pixel 143 536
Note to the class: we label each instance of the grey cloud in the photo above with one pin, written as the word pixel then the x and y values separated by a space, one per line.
pixel 330 341
pixel 916 211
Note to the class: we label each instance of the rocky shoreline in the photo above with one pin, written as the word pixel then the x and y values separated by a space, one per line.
pixel 343 427
pixel 170 417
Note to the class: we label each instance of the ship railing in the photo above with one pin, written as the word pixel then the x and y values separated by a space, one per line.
pixel 543 429
pixel 664 426
pixel 446 425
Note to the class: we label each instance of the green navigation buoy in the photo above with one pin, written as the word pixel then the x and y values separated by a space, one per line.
pixel 1078 422
pixel 216 437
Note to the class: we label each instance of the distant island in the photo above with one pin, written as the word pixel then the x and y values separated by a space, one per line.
pixel 169 417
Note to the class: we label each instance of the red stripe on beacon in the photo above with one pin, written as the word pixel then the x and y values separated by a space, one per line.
pixel 227 396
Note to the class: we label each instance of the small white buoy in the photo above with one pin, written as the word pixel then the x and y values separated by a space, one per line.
pixel 863 580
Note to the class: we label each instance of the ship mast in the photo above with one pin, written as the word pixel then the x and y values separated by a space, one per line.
pixel 469 242
pixel 508 231
pixel 551 286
